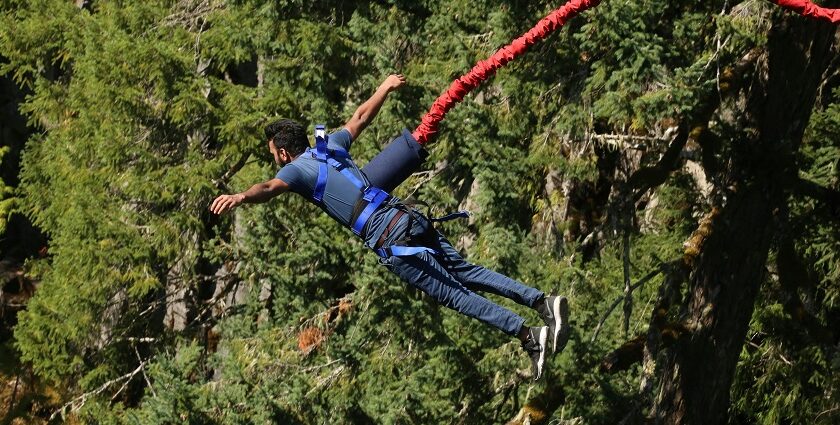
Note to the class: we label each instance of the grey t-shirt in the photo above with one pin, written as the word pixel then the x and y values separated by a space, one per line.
pixel 340 194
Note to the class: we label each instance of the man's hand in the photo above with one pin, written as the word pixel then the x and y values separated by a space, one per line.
pixel 258 193
pixel 393 82
pixel 365 113
pixel 225 203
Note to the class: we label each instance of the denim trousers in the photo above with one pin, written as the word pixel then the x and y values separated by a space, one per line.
pixel 452 281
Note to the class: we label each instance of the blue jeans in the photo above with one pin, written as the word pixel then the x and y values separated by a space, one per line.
pixel 451 280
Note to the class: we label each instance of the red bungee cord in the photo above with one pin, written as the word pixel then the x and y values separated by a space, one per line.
pixel 806 8
pixel 484 69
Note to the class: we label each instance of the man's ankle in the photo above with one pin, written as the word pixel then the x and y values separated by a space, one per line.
pixel 524 333
pixel 540 306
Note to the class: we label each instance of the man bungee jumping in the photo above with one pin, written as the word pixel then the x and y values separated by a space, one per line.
pixel 405 240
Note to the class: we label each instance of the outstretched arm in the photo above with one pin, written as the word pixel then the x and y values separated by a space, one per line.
pixel 258 193
pixel 365 113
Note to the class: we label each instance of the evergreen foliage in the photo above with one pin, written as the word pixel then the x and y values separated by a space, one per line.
pixel 7 202
pixel 160 312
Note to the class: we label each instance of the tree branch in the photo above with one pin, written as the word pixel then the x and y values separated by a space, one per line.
pixel 632 352
pixel 694 127
pixel 78 402
pixel 618 300
pixel 829 197
pixel 647 178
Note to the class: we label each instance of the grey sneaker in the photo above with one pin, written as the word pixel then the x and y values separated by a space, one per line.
pixel 535 347
pixel 555 314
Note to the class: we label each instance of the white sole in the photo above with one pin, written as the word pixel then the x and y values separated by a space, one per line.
pixel 543 339
pixel 560 312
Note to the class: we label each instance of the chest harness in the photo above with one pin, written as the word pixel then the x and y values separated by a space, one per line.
pixel 372 197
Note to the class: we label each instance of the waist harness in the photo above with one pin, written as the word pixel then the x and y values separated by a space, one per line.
pixel 372 197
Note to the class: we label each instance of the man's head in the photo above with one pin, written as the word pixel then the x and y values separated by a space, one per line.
pixel 286 140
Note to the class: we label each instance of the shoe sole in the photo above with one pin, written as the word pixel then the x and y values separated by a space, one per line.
pixel 560 312
pixel 543 339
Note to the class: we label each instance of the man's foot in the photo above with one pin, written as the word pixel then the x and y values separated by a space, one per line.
pixel 535 347
pixel 554 311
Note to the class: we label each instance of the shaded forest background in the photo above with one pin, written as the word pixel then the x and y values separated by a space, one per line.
pixel 671 166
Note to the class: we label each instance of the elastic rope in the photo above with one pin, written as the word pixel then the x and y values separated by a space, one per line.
pixel 484 69
pixel 810 10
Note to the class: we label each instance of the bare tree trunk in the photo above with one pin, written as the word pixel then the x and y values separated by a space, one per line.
pixel 178 294
pixel 698 371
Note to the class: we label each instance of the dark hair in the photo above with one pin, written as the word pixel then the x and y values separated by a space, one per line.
pixel 287 134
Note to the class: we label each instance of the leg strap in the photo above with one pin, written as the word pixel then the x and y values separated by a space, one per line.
pixel 403 251
pixel 400 249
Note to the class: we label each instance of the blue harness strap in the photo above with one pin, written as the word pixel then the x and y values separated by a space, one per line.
pixel 321 156
pixel 374 196
pixel 341 168
pixel 403 251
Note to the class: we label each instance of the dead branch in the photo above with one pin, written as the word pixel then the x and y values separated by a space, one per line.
pixel 427 176
pixel 79 402
pixel 618 300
